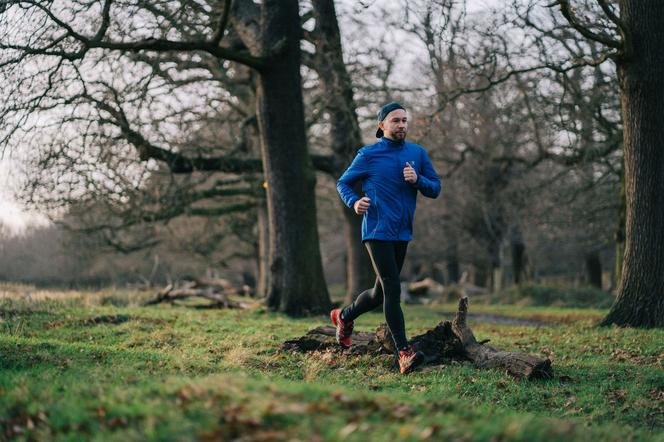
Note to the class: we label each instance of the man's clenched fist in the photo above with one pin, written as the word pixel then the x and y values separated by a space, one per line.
pixel 362 205
pixel 409 174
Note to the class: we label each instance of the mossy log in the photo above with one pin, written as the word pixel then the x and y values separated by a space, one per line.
pixel 447 341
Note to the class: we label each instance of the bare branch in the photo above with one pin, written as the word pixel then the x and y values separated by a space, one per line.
pixel 493 82
pixel 162 45
pixel 610 13
pixel 223 23
pixel 148 44
pixel 573 20
pixel 105 21
pixel 179 163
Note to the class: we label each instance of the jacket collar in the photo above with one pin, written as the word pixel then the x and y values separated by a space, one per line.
pixel 391 143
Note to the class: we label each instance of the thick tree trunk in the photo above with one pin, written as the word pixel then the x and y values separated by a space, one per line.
pixel 345 135
pixel 296 285
pixel 594 269
pixel 620 231
pixel 640 300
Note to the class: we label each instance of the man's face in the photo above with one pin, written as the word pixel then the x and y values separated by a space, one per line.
pixel 395 125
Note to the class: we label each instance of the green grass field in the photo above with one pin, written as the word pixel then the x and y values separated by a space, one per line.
pixel 97 366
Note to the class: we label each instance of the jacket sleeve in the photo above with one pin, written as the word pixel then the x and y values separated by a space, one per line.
pixel 428 182
pixel 358 170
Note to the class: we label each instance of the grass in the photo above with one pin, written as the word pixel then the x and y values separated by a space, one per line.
pixel 98 366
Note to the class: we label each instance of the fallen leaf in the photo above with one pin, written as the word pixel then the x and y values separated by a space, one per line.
pixel 347 430
pixel 402 411
pixel 429 432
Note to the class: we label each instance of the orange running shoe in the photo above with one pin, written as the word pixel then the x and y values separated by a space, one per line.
pixel 409 359
pixel 344 329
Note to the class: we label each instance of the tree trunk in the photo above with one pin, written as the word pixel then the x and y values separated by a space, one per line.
pixel 620 231
pixel 345 135
pixel 296 285
pixel 594 269
pixel 518 255
pixel 359 272
pixel 640 301
pixel 497 279
pixel 263 255
pixel 452 256
pixel 495 255
pixel 481 274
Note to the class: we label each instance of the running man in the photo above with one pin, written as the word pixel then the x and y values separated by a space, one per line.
pixel 391 172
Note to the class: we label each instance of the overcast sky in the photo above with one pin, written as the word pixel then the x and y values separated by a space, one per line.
pixel 12 212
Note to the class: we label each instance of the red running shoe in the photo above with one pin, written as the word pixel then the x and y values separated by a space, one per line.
pixel 409 359
pixel 344 329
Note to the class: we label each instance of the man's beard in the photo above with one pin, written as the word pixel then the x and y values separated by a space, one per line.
pixel 400 135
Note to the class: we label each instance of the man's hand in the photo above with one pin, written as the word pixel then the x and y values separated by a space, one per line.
pixel 362 205
pixel 409 174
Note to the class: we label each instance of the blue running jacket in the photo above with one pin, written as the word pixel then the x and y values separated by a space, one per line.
pixel 379 167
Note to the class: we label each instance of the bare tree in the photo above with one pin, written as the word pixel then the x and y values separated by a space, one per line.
pixel 344 130
pixel 270 35
pixel 547 115
pixel 632 36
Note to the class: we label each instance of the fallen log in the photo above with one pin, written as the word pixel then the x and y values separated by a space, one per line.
pixel 322 339
pixel 425 287
pixel 520 365
pixel 446 342
pixel 217 291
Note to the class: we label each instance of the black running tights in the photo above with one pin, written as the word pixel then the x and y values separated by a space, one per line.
pixel 387 258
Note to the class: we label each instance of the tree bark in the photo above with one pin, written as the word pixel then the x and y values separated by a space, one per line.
pixel 296 285
pixel 640 301
pixel 452 256
pixel 263 252
pixel 620 231
pixel 518 255
pixel 345 135
pixel 594 269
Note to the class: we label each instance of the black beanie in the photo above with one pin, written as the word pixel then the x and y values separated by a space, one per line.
pixel 384 111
